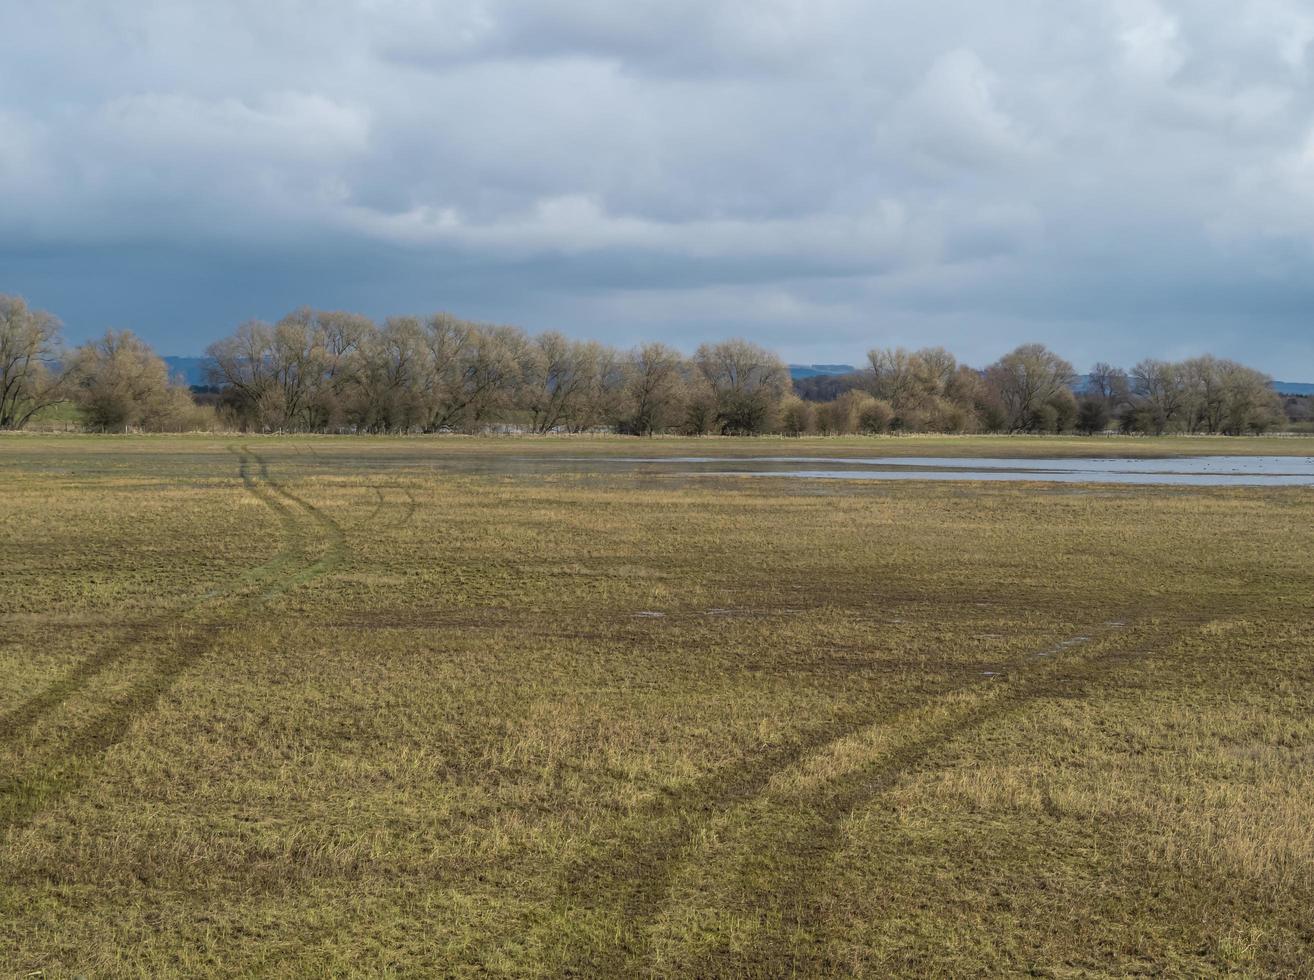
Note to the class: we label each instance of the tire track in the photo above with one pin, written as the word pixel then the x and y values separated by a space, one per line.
pixel 373 515
pixel 170 651
pixel 636 873
pixel 336 549
pixel 152 630
pixel 408 518
pixel 293 529
pixel 804 851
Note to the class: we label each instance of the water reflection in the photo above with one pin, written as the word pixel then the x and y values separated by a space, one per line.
pixel 1236 471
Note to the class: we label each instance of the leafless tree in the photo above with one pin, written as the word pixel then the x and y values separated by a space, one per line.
pixel 747 382
pixel 388 382
pixel 561 381
pixel 1222 396
pixel 29 354
pixel 797 417
pixel 926 390
pixel 653 393
pixel 1160 390
pixel 119 383
pixel 1032 385
pixel 493 368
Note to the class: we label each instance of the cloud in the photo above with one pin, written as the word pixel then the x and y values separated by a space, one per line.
pixel 674 38
pixel 579 224
pixel 952 119
pixel 21 152
pixel 852 171
pixel 1150 41
pixel 292 126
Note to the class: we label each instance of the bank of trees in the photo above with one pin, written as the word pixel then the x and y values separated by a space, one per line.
pixel 316 372
pixel 1027 390
pixel 336 372
pixel 319 371
pixel 1032 389
pixel 1200 395
pixel 117 383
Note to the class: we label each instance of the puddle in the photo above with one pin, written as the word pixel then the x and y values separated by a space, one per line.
pixel 1202 471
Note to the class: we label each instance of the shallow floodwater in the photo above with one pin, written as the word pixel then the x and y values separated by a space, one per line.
pixel 1217 471
pixel 291 459
pixel 1200 471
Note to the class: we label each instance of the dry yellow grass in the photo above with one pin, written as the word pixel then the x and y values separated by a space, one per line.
pixel 304 706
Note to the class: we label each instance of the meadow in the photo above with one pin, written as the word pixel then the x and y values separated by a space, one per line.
pixel 451 706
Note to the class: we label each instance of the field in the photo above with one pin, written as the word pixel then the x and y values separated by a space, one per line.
pixel 451 706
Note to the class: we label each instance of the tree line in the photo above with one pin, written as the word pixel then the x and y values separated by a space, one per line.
pixel 116 382
pixel 1032 389
pixel 322 371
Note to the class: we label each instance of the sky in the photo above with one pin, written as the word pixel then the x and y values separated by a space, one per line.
pixel 1117 179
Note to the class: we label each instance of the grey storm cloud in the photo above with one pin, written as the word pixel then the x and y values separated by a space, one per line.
pixel 1117 178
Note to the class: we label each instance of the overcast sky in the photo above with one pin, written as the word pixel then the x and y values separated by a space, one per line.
pixel 1116 178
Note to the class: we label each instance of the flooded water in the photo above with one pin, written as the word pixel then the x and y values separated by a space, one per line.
pixel 1200 471
pixel 344 459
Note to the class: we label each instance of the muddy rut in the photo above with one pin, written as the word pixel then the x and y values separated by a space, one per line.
pixel 635 875
pixel 159 650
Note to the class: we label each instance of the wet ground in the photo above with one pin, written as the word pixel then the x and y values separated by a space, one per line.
pixel 1258 471
pixel 295 457
pixel 1238 471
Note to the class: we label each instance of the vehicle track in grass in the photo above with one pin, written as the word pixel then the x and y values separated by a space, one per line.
pixel 381 500
pixel 166 647
pixel 408 518
pixel 804 853
pixel 635 874
pixel 141 633
pixel 336 548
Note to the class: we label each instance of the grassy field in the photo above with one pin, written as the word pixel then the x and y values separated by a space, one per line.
pixel 311 706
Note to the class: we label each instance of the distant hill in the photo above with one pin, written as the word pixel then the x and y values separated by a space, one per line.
pixel 797 371
pixel 192 370
pixel 1082 382
pixel 1293 388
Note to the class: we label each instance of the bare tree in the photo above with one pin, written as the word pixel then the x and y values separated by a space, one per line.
pixel 1160 390
pixel 1252 404
pixel 700 404
pixel 897 376
pixel 1110 384
pixel 447 344
pixel 119 383
pixel 336 338
pixel 1030 385
pixel 925 389
pixel 562 382
pixel 604 378
pixel 317 370
pixel 747 382
pixel 388 383
pixel 1222 396
pixel 653 393
pixel 29 351
pixel 240 364
pixel 493 368
pixel 797 417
